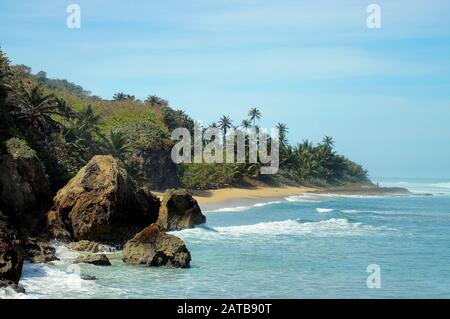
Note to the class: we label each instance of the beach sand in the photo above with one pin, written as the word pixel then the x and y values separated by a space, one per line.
pixel 236 196
pixel 229 194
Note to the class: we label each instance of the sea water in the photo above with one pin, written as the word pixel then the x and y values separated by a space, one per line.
pixel 306 246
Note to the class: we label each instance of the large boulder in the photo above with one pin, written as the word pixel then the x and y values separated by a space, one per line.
pixel 153 247
pixel 102 203
pixel 179 210
pixel 11 257
pixel 25 192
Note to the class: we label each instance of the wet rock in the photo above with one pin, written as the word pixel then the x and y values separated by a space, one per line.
pixel 179 210
pixel 90 246
pixel 102 203
pixel 97 259
pixel 11 284
pixel 55 229
pixel 24 190
pixel 39 251
pixel 153 247
pixel 11 255
pixel 88 277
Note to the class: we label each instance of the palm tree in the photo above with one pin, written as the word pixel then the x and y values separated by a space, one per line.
pixel 119 96
pixel 282 130
pixel 225 123
pixel 65 109
pixel 116 144
pixel 156 101
pixel 246 124
pixel 88 119
pixel 213 125
pixel 36 109
pixel 254 115
pixel 328 141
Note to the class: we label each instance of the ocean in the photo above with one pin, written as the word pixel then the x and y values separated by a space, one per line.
pixel 306 246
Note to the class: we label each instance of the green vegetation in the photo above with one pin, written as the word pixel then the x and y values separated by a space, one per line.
pixel 63 125
pixel 304 163
pixel 19 148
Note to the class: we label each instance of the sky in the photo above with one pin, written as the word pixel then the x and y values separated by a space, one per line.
pixel 383 94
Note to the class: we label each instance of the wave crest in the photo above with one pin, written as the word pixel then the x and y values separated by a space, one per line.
pixel 323 228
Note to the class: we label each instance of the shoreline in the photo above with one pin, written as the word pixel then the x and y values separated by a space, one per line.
pixel 237 196
pixel 244 196
pixel 216 196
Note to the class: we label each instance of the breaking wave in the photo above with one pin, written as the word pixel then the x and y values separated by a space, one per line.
pixel 323 228
pixel 241 208
pixel 324 210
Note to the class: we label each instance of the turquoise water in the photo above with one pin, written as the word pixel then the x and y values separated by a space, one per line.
pixel 299 247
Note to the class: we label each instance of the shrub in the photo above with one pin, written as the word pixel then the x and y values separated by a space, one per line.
pixel 19 148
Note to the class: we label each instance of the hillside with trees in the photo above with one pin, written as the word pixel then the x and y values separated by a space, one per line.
pixel 64 126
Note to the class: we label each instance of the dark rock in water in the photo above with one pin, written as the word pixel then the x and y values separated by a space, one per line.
pixel 102 203
pixel 39 251
pixel 88 277
pixel 24 191
pixel 153 247
pixel 98 260
pixel 179 210
pixel 90 246
pixel 11 256
pixel 11 284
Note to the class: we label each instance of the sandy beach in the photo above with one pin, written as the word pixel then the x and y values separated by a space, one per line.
pixel 229 194
pixel 236 196
pixel 239 196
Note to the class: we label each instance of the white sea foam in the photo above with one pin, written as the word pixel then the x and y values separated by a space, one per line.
pixel 354 211
pixel 441 185
pixel 64 253
pixel 47 280
pixel 324 228
pixel 229 209
pixel 324 210
pixel 242 208
pixel 9 293
pixel 266 204
pixel 306 197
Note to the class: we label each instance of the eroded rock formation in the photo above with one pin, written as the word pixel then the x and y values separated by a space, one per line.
pixel 102 203
pixel 179 210
pixel 153 247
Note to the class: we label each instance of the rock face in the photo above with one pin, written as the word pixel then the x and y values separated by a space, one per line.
pixel 24 191
pixel 159 171
pixel 153 247
pixel 90 246
pixel 11 257
pixel 101 203
pixel 98 260
pixel 179 210
pixel 39 251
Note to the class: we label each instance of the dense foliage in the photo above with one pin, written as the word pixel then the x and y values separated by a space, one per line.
pixel 304 163
pixel 63 125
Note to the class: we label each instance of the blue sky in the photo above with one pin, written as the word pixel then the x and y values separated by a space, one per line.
pixel 383 94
